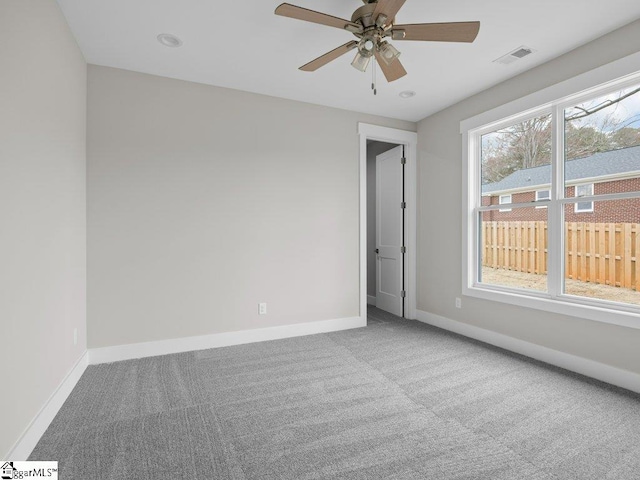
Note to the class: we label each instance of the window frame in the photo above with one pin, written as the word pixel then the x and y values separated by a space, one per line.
pixel 575 194
pixel 500 202
pixel 538 199
pixel 601 81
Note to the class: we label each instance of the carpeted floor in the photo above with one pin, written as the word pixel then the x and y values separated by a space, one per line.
pixel 395 400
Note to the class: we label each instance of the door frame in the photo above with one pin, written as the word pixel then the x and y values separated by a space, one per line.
pixel 410 141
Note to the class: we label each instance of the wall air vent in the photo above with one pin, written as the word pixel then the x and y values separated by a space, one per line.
pixel 514 55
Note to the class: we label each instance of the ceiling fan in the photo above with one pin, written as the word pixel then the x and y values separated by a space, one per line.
pixel 372 24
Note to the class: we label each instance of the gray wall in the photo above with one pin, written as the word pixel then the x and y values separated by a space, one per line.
pixel 204 201
pixel 373 150
pixel 42 208
pixel 439 224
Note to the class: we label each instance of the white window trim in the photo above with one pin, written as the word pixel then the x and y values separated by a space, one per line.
pixel 505 203
pixel 613 76
pixel 575 194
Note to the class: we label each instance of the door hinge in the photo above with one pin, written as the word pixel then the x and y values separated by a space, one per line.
pixel 403 249
pixel 403 204
pixel 403 161
pixel 403 294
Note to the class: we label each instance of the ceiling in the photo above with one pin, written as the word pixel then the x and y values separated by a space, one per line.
pixel 243 45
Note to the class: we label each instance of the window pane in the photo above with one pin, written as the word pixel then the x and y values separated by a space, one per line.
pixel 505 199
pixel 546 194
pixel 602 251
pixel 602 139
pixel 516 160
pixel 543 195
pixel 513 253
pixel 583 191
pixel 584 207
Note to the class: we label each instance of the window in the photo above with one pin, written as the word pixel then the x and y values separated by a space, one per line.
pixel 585 190
pixel 552 256
pixel 504 200
pixel 541 196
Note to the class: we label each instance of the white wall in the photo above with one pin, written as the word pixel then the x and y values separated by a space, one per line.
pixel 374 149
pixel 42 208
pixel 440 225
pixel 204 201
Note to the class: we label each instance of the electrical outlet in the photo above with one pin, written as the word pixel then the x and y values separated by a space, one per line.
pixel 75 336
pixel 458 302
pixel 262 309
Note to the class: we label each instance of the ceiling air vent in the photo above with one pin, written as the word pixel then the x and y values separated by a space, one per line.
pixel 514 55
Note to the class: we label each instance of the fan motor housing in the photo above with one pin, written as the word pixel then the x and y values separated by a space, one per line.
pixel 364 15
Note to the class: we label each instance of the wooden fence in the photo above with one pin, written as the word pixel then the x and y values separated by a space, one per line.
pixel 605 253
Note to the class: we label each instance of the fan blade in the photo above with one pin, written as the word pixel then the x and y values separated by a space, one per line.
pixel 291 11
pixel 391 72
pixel 321 61
pixel 388 8
pixel 438 32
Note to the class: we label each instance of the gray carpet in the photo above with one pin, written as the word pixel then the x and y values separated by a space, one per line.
pixel 395 400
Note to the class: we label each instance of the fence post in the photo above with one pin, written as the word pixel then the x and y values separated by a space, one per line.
pixel 612 255
pixel 626 238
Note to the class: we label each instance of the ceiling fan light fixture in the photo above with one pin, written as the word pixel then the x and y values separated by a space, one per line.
pixel 388 52
pixel 371 23
pixel 361 62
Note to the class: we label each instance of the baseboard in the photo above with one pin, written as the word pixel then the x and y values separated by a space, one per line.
pixel 203 342
pixel 34 431
pixel 371 300
pixel 590 368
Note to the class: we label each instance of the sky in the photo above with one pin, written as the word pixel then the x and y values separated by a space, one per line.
pixel 627 111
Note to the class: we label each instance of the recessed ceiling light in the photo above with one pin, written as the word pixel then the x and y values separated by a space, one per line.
pixel 407 94
pixel 169 40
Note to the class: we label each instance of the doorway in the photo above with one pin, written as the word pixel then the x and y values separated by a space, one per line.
pixel 387 216
pixel 385 219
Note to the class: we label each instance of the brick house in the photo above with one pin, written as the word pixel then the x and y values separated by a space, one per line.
pixel 614 171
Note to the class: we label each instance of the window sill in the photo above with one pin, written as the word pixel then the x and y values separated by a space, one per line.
pixel 567 305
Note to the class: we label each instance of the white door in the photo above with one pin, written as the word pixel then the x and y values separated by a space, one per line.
pixel 389 231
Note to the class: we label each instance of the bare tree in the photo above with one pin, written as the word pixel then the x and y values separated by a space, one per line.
pixel 584 141
pixel 626 137
pixel 589 128
pixel 525 145
pixel 530 142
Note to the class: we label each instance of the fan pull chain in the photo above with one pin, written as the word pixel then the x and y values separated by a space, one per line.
pixel 373 79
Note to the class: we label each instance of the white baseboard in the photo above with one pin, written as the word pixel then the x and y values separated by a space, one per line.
pixel 590 368
pixel 30 437
pixel 203 342
pixel 371 300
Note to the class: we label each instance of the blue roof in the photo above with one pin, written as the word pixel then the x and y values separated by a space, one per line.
pixel 600 164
